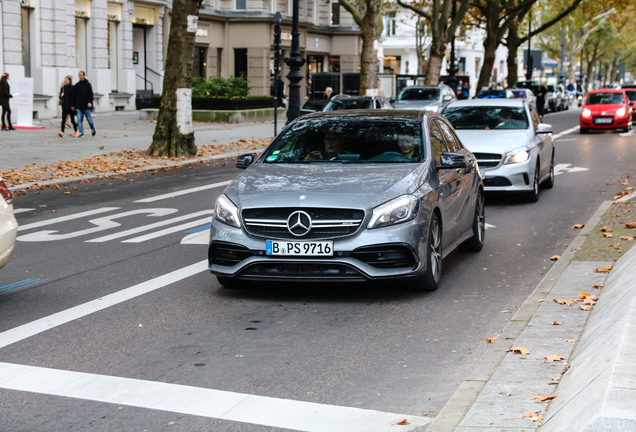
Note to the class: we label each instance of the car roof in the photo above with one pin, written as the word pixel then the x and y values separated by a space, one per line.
pixel 488 102
pixel 389 114
pixel 607 90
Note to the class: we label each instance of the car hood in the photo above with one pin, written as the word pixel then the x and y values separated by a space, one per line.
pixel 494 141
pixel 320 184
pixel 413 104
pixel 609 108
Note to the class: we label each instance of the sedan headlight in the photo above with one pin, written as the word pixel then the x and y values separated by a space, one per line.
pixel 518 155
pixel 586 113
pixel 226 212
pixel 401 209
pixel 621 112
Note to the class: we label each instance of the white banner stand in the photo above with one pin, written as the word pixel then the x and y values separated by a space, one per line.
pixel 25 102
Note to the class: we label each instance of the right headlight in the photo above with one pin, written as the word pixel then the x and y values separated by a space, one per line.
pixel 586 113
pixel 226 212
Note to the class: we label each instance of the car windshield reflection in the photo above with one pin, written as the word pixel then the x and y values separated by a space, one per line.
pixel 487 117
pixel 429 94
pixel 605 98
pixel 369 141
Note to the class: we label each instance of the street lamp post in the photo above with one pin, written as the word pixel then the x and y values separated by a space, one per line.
pixel 452 68
pixel 295 62
pixel 561 73
pixel 529 57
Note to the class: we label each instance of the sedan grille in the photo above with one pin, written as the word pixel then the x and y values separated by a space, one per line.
pixel 272 223
pixel 487 160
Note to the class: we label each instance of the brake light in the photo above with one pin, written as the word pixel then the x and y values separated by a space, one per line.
pixel 5 192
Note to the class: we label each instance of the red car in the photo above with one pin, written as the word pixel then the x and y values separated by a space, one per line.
pixel 606 109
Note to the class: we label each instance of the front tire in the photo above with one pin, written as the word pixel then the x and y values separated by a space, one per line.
pixel 549 182
pixel 430 280
pixel 533 195
pixel 476 242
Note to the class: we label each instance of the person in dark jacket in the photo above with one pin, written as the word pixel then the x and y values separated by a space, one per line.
pixel 5 95
pixel 67 94
pixel 83 103
pixel 541 93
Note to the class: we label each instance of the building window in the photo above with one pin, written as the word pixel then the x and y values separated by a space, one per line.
pixel 335 12
pixel 81 44
pixel 113 64
pixel 240 4
pixel 25 18
pixel 240 62
pixel 200 63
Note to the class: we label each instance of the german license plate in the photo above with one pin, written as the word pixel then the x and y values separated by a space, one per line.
pixel 296 248
pixel 603 121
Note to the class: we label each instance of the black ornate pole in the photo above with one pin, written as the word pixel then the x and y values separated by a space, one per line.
pixel 295 62
pixel 452 68
pixel 529 58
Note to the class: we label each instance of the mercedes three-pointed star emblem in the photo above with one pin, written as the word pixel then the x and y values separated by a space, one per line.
pixel 299 223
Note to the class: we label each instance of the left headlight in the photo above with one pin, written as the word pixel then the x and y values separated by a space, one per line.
pixel 518 155
pixel 621 112
pixel 226 212
pixel 586 113
pixel 398 210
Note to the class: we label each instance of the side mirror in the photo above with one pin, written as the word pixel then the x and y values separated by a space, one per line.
pixel 392 100
pixel 451 161
pixel 245 160
pixel 544 128
pixel 447 98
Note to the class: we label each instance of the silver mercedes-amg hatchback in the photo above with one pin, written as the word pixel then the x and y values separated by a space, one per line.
pixel 350 196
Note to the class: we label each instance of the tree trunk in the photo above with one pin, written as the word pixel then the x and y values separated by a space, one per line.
pixel 513 42
pixel 174 134
pixel 490 46
pixel 368 57
pixel 434 66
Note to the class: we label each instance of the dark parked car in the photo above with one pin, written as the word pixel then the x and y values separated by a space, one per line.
pixel 346 102
pixel 350 196
pixel 314 105
pixel 430 98
pixel 630 91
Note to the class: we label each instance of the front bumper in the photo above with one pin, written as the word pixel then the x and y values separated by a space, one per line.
pixel 393 252
pixel 616 122
pixel 509 177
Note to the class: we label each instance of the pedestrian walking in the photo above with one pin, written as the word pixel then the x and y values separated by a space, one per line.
pixel 67 94
pixel 5 95
pixel 540 94
pixel 83 103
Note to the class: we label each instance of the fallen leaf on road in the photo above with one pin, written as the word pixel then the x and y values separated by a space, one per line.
pixel 627 238
pixel 570 340
pixel 519 350
pixel 566 302
pixel 533 416
pixel 598 286
pixel 402 422
pixel 606 269
pixel 630 225
pixel 585 308
pixel 577 226
pixel 583 294
pixel 576 249
pixel 606 229
pixel 491 339
pixel 545 398
pixel 555 257
pixel 556 323
pixel 608 235
pixel 554 358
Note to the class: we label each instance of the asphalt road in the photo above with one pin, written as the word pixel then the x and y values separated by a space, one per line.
pixel 163 334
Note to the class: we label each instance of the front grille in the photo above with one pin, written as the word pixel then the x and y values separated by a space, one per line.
pixel 487 160
pixel 271 223
pixel 227 254
pixel 306 271
pixel 386 256
pixel 497 181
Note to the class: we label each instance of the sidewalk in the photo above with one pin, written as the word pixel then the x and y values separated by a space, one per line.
pixel 115 131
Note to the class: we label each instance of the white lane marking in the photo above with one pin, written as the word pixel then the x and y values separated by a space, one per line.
pixel 149 227
pixel 167 231
pixel 102 223
pixel 22 210
pixel 197 238
pixel 183 192
pixel 488 226
pixel 24 331
pixel 565 168
pixel 66 218
pixel 625 134
pixel 198 401
pixel 565 132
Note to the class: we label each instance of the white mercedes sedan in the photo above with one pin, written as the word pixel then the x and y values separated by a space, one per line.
pixel 8 224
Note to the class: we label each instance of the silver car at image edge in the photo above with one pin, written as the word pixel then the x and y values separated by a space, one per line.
pixel 515 151
pixel 8 224
pixel 350 196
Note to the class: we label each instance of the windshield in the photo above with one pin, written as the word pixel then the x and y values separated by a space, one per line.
pixel 469 117
pixel 604 98
pixel 429 94
pixel 347 104
pixel 370 140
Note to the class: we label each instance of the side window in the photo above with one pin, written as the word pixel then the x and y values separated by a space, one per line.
pixel 451 140
pixel 535 116
pixel 438 145
pixel 378 104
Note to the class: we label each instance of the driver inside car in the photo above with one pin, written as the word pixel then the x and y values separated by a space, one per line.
pixel 333 146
